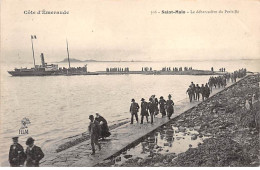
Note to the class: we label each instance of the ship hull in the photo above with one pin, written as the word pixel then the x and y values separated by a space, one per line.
pixel 31 73
pixel 48 73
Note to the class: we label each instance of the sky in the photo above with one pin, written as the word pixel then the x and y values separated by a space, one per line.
pixel 126 30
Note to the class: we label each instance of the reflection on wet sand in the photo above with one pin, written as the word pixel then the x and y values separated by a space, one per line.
pixel 165 140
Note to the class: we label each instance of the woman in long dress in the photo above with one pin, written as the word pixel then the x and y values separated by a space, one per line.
pixel 103 124
pixel 169 106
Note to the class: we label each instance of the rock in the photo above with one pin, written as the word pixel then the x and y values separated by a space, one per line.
pixel 193 137
pixel 156 165
pixel 182 129
pixel 106 161
pixel 178 138
pixel 118 159
pixel 127 156
pixel 156 147
pixel 197 128
pixel 207 135
pixel 179 121
pixel 177 131
pixel 140 161
pixel 170 157
pixel 166 144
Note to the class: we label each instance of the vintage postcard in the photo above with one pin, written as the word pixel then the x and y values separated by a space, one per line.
pixel 129 83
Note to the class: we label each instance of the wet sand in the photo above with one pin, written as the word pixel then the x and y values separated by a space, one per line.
pixel 224 126
pixel 122 138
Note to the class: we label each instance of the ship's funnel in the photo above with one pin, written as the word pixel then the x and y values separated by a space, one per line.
pixel 42 58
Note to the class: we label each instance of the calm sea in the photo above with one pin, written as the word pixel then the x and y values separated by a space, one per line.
pixel 59 107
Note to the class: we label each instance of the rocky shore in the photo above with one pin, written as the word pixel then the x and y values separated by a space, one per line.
pixel 227 123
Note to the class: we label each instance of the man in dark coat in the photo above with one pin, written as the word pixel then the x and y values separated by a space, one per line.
pixel 162 104
pixel 144 110
pixel 103 126
pixel 169 106
pixel 94 132
pixel 134 108
pixel 197 92
pixel 189 91
pixel 207 91
pixel 151 108
pixel 16 154
pixel 33 153
pixel 192 85
pixel 156 102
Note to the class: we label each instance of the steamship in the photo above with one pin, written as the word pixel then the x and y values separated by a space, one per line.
pixel 46 69
pixel 39 70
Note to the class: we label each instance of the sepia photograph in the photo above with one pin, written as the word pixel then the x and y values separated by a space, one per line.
pixel 129 83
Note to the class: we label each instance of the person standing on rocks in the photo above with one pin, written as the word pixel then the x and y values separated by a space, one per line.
pixel 33 153
pixel 94 132
pixel 144 110
pixel 134 108
pixel 162 104
pixel 16 154
pixel 169 106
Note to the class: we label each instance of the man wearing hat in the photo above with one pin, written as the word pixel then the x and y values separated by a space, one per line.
pixel 33 153
pixel 162 104
pixel 94 132
pixel 133 110
pixel 144 110
pixel 16 154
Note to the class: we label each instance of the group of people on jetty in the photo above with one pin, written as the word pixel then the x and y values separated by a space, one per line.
pixel 194 91
pixel 117 69
pixel 176 69
pixel 152 108
pixel 98 126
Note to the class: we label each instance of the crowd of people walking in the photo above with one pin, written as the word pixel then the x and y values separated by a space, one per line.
pixel 194 91
pixel 152 108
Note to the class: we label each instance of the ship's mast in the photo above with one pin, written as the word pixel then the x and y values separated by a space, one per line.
pixel 68 52
pixel 33 37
